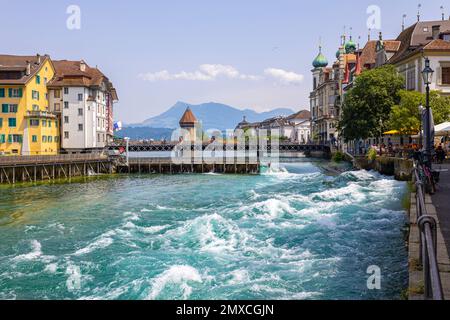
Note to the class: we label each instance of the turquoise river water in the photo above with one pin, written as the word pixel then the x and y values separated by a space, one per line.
pixel 295 233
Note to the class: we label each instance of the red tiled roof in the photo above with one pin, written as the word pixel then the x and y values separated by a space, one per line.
pixel 12 63
pixel 302 115
pixel 188 117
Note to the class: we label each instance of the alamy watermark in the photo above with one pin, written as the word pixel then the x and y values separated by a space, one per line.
pixel 374 19
pixel 374 280
pixel 73 21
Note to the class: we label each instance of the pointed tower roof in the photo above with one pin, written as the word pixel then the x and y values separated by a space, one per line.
pixel 188 118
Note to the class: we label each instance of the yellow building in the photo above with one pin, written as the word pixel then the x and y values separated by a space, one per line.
pixel 26 125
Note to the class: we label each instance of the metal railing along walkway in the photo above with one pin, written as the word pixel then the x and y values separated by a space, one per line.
pixel 428 240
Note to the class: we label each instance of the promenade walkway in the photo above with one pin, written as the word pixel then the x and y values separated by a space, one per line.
pixel 441 201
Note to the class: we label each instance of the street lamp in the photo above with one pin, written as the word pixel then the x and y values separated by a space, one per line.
pixel 427 75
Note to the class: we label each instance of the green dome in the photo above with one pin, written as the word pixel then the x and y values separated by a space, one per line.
pixel 320 61
pixel 350 46
pixel 338 54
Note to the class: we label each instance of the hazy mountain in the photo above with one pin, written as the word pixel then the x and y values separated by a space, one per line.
pixel 141 133
pixel 212 115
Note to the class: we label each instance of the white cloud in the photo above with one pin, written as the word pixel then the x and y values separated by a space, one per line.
pixel 206 72
pixel 211 72
pixel 283 76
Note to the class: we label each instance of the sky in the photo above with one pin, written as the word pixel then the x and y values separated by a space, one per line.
pixel 254 54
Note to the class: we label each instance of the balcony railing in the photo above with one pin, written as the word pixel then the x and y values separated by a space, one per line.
pixel 41 114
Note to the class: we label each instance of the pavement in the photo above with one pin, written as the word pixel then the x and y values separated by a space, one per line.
pixel 441 200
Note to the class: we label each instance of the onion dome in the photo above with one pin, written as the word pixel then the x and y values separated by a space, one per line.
pixel 350 46
pixel 320 61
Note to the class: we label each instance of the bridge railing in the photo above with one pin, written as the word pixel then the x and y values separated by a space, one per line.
pixel 18 160
pixel 428 240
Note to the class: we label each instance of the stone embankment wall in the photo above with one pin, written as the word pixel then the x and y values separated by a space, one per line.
pixel 401 169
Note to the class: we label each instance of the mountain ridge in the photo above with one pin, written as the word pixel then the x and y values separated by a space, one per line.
pixel 212 115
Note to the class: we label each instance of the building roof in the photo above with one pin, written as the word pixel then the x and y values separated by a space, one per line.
pixel 188 117
pixel 369 54
pixel 417 37
pixel 13 69
pixel 79 74
pixel 301 115
pixel 76 73
pixel 438 45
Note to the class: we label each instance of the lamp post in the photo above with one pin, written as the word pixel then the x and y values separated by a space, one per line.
pixel 427 74
pixel 421 108
pixel 127 141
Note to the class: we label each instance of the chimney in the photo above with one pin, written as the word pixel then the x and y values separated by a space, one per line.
pixel 381 36
pixel 28 72
pixel 38 57
pixel 82 66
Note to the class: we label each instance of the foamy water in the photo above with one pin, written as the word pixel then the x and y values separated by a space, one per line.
pixel 291 233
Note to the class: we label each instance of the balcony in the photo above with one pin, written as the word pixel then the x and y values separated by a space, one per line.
pixel 41 114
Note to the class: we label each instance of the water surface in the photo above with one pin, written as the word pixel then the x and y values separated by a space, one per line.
pixel 286 234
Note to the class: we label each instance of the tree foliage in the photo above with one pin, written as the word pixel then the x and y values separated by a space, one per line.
pixel 405 116
pixel 367 106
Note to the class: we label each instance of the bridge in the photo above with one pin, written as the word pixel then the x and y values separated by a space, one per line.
pixel 307 149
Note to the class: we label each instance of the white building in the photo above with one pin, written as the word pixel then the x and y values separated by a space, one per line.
pixel 83 97
pixel 301 131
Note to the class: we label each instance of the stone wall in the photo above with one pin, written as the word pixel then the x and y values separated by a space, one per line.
pixel 401 169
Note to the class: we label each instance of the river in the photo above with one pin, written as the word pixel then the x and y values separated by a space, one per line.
pixel 293 233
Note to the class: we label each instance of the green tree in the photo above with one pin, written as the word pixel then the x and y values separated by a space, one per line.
pixel 405 116
pixel 367 106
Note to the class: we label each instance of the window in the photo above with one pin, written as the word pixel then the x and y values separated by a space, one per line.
pixel 66 134
pixel 80 97
pixel 44 138
pixel 57 107
pixel 45 81
pixel 12 122
pixel 34 123
pixel 44 123
pixel 80 111
pixel 35 95
pixel 34 139
pixel 56 139
pixel 80 127
pixel 38 79
pixel 411 80
pixel 2 138
pixel 14 138
pixel 66 104
pixel 9 108
pixel 15 93
pixel 66 90
pixel 50 139
pixel 49 123
pixel 446 75
pixel 66 119
pixel 57 94
pixel 35 107
pixel 1 122
pixel 2 92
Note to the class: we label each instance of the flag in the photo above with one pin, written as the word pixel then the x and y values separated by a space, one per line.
pixel 118 126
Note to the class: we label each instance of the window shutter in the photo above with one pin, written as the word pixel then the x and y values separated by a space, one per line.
pixel 9 138
pixel 20 92
pixel 10 92
pixel 439 76
pixel 5 108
